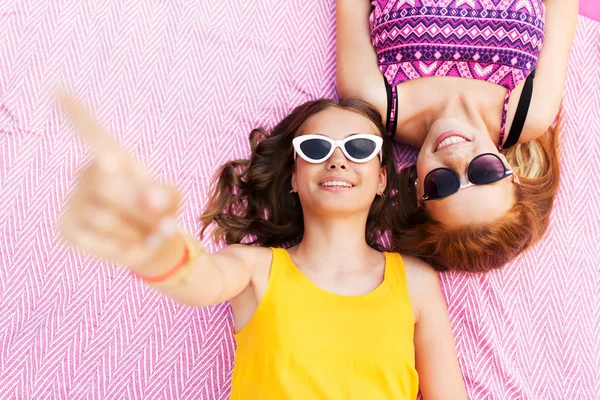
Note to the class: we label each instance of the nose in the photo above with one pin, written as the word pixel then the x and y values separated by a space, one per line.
pixel 337 160
pixel 459 162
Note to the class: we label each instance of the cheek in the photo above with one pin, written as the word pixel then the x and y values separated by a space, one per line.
pixel 369 174
pixel 303 173
pixel 486 147
pixel 425 164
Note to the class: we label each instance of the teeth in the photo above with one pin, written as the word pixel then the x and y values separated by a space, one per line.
pixel 336 184
pixel 450 140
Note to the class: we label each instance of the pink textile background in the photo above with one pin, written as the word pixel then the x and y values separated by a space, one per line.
pixel 590 9
pixel 181 83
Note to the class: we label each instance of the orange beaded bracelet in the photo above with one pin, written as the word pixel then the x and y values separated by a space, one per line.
pixel 163 277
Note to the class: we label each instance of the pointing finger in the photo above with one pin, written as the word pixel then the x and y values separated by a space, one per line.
pixel 107 150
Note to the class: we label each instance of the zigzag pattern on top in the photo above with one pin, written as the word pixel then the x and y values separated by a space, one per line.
pixel 477 32
pixel 472 38
pixel 161 77
pixel 529 6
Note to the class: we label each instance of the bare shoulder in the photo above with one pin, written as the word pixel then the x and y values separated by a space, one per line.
pixel 422 281
pixel 419 271
pixel 263 258
pixel 544 107
pixel 242 250
pixel 257 260
pixel 251 256
pixel 257 264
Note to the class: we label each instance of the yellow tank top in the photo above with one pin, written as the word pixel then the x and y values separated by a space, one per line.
pixel 306 343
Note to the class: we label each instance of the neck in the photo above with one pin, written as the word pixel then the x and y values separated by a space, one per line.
pixel 418 115
pixel 461 108
pixel 337 242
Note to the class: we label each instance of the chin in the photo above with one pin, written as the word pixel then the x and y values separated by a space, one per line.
pixel 339 207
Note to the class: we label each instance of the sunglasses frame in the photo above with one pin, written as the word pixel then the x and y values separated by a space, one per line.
pixel 507 172
pixel 297 142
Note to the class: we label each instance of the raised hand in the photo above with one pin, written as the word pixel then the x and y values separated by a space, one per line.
pixel 118 212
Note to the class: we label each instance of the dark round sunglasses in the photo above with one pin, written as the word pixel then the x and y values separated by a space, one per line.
pixel 484 169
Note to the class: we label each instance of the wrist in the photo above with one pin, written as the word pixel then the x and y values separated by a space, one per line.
pixel 169 255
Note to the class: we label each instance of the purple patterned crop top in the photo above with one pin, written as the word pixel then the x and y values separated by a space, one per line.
pixel 498 41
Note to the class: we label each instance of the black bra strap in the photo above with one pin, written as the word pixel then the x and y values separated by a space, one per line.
pixel 388 91
pixel 392 109
pixel 521 113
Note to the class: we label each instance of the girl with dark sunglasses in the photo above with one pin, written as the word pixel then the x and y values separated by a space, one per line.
pixel 475 86
pixel 319 310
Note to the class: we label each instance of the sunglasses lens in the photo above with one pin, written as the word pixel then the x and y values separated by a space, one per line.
pixel 315 149
pixel 440 183
pixel 360 148
pixel 486 169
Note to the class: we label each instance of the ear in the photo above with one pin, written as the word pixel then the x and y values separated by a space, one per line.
pixel 294 183
pixel 382 184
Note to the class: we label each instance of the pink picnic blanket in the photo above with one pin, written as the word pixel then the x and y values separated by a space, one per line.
pixel 181 83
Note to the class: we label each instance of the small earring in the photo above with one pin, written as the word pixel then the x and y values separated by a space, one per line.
pixel 382 195
pixel 292 191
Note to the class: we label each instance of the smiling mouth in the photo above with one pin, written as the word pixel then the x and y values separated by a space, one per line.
pixel 450 141
pixel 336 184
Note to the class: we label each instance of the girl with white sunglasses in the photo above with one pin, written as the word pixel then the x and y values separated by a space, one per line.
pixel 320 310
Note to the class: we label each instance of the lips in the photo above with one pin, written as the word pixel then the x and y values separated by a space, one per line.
pixel 337 182
pixel 450 138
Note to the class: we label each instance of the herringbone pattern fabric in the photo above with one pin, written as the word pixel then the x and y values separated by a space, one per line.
pixel 182 83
